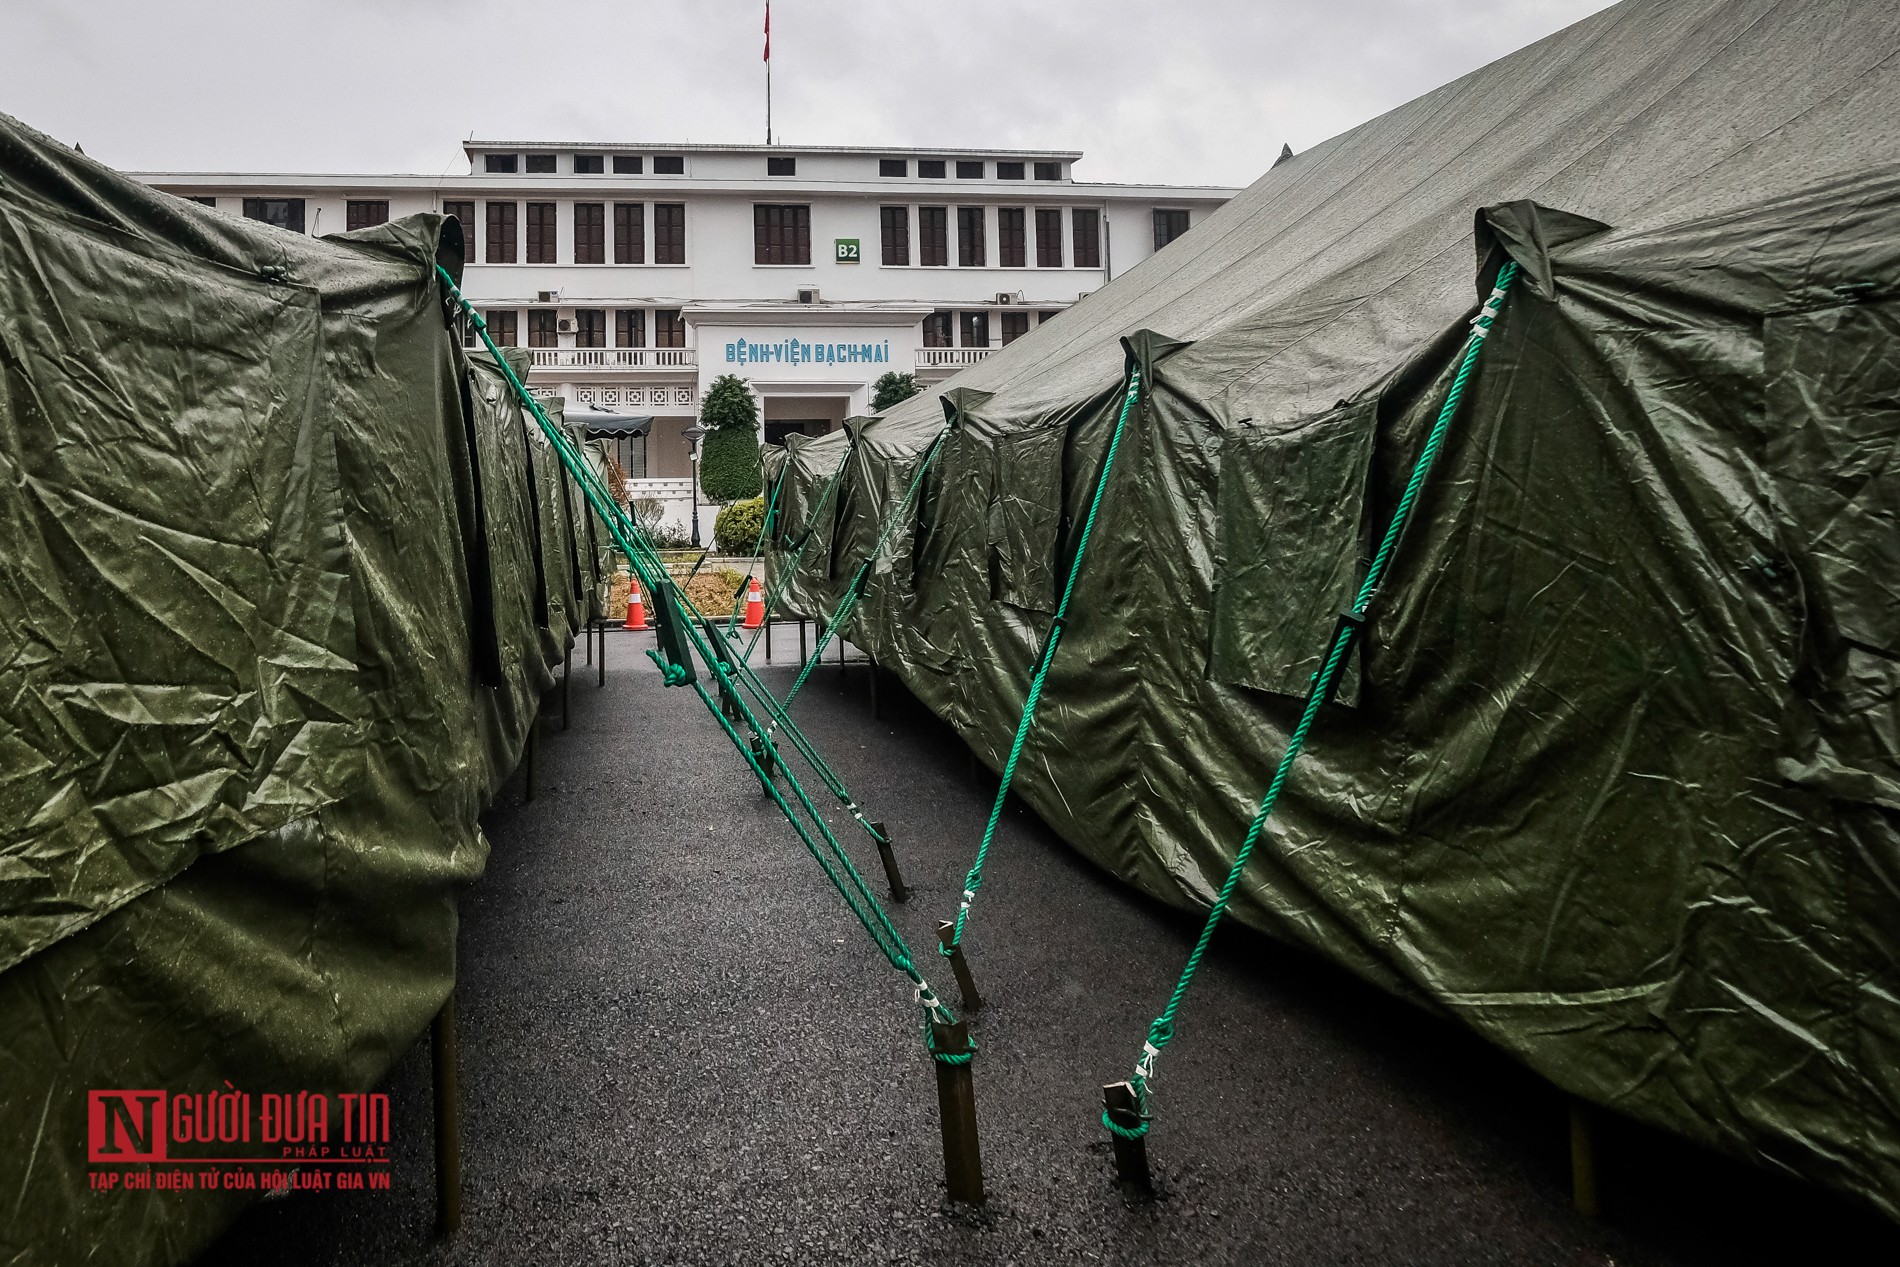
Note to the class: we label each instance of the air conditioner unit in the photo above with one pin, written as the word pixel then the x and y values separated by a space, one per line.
pixel 546 296
pixel 807 294
pixel 564 325
pixel 1005 297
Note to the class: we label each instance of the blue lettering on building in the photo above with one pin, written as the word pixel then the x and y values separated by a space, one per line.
pixel 794 352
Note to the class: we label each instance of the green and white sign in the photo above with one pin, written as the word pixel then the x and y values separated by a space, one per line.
pixel 847 250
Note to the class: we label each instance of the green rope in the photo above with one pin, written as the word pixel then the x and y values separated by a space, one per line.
pixel 974 880
pixel 1161 1031
pixel 855 590
pixel 645 561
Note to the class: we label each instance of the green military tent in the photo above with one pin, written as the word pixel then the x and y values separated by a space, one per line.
pixel 283 576
pixel 1614 776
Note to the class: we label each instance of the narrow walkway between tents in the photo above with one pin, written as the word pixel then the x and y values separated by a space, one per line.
pixel 677 1047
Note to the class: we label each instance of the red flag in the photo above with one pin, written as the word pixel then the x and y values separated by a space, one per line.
pixel 768 30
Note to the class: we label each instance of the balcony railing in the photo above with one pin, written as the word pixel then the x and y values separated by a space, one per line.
pixel 936 358
pixel 615 358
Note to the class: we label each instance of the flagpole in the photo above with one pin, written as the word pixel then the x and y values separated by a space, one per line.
pixel 768 72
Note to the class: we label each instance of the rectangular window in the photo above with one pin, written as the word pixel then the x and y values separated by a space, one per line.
pixel 1012 245
pixel 781 235
pixel 969 171
pixel 976 329
pixel 933 236
pixel 669 329
pixel 541 163
pixel 1015 326
pixel 501 327
pixel 464 213
pixel 201 200
pixel 590 233
pixel 630 233
pixel 540 233
pixel 501 233
pixel 1048 238
pixel 628 165
pixel 630 328
pixel 285 213
pixel 1087 239
pixel 504 163
pixel 970 247
pixel 669 164
pixel 930 168
pixel 587 164
pixel 1048 171
pixel 1009 171
pixel 1169 225
pixel 541 329
pixel 669 232
pixel 781 167
pixel 938 328
pixel 365 213
pixel 893 167
pixel 895 226
pixel 590 328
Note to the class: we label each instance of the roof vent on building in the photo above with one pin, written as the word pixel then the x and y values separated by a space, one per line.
pixel 807 294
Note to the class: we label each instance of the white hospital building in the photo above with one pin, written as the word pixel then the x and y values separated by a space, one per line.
pixel 637 274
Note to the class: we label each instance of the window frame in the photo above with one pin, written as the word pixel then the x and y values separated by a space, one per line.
pixel 969 169
pixel 893 168
pixel 972 247
pixel 781 235
pixel 1048 171
pixel 544 323
pixel 629 165
pixel 539 165
pixel 971 323
pixel 1173 234
pixel 295 212
pixel 590 327
pixel 364 213
pixel 630 233
pixel 664 245
pixel 589 165
pixel 503 326
pixel 893 226
pixel 453 207
pixel 1085 249
pixel 630 327
pixel 932 169
pixel 502 224
pixel 590 233
pixel 669 323
pixel 940 329
pixel 544 232
pixel 781 165
pixel 669 164
pixel 1049 245
pixel 933 231
pixel 1019 319
pixel 1012 241
pixel 501 164
pixel 1010 171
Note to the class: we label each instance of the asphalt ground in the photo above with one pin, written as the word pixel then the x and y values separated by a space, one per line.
pixel 677 1046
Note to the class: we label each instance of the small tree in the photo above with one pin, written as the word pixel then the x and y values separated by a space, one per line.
pixel 892 389
pixel 729 455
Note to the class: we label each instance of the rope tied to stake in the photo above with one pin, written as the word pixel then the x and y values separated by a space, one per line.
pixel 973 880
pixel 1161 1031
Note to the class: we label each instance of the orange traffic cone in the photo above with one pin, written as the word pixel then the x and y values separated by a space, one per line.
pixel 754 606
pixel 636 610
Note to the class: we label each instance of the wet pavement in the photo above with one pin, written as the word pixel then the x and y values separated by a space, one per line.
pixel 679 1047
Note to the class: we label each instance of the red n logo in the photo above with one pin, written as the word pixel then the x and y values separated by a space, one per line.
pixel 125 1126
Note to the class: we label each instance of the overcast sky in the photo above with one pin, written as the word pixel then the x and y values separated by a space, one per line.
pixel 1179 91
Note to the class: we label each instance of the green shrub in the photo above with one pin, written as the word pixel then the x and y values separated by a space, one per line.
pixel 729 406
pixel 729 465
pixel 736 530
pixel 892 389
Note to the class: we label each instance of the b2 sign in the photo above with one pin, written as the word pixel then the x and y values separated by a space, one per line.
pixel 847 250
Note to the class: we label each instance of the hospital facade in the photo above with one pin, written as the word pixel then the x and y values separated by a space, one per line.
pixel 635 274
